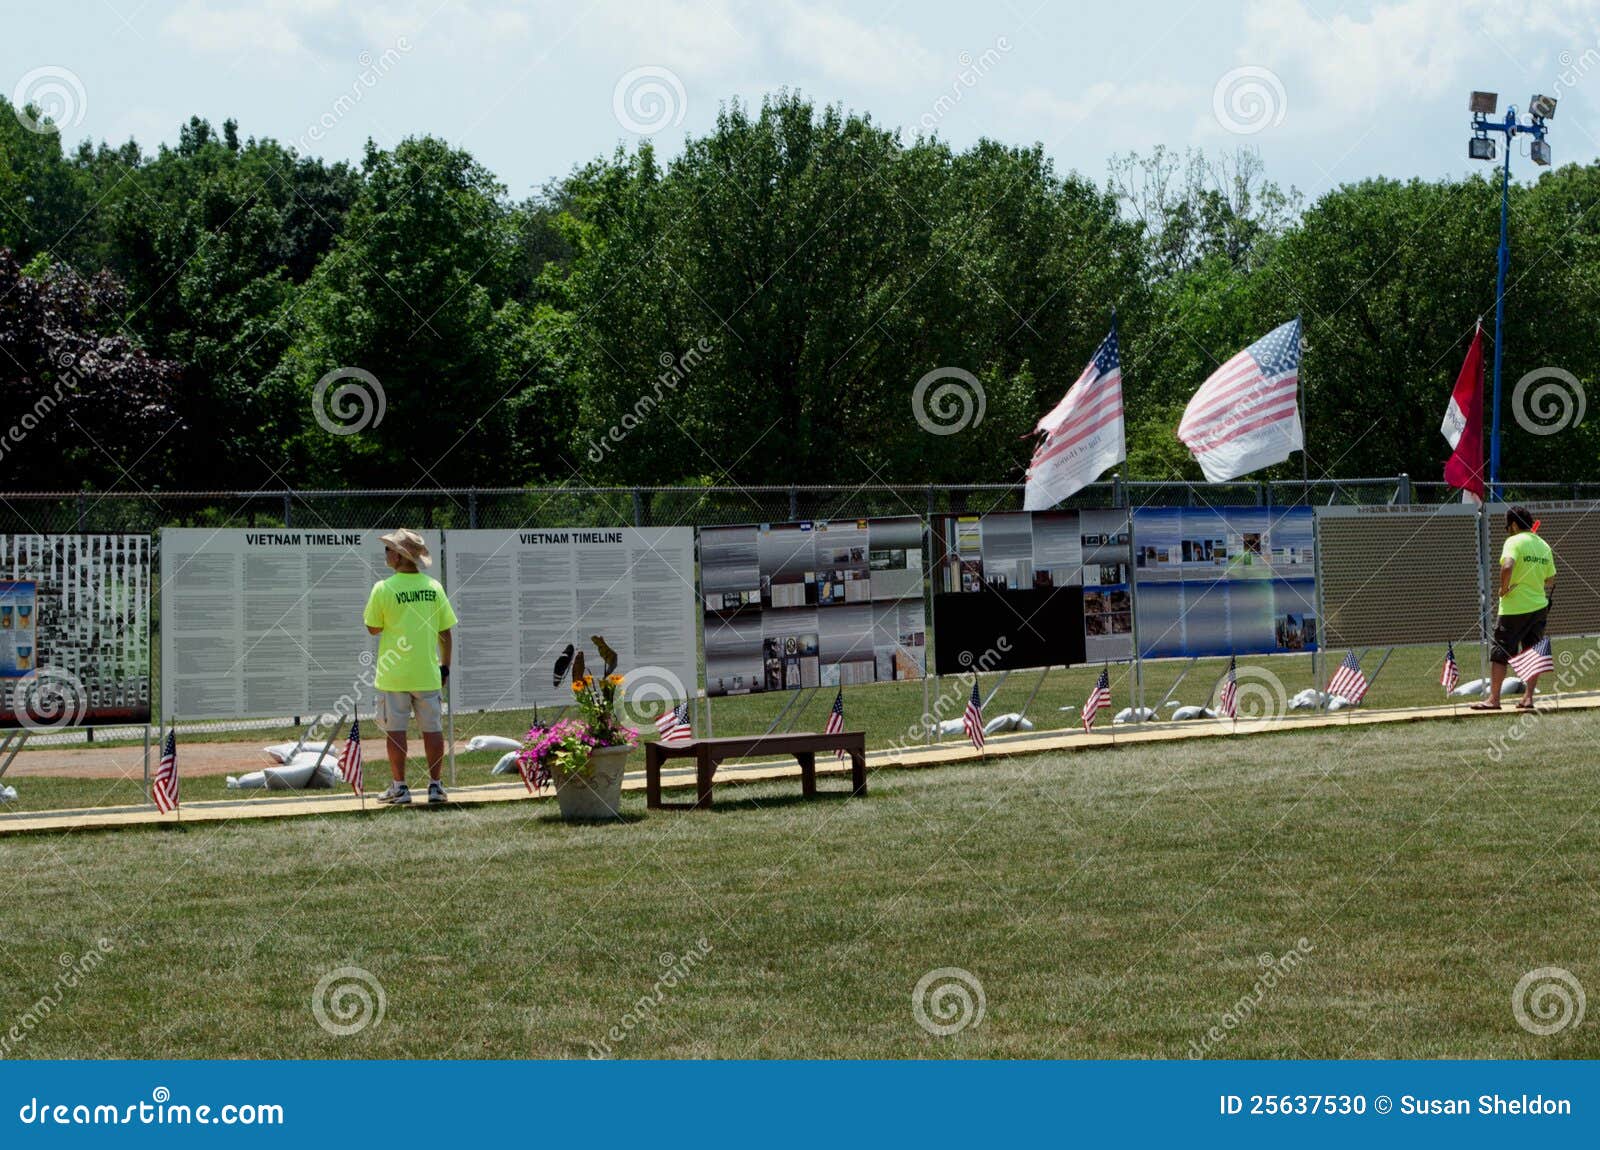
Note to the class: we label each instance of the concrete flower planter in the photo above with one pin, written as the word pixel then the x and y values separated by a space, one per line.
pixel 597 795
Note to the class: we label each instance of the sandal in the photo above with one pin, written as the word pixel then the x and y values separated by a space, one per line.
pixel 1484 707
pixel 1526 707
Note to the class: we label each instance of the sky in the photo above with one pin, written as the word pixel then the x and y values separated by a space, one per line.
pixel 1328 93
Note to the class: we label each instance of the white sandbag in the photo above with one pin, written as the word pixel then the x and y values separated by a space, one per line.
pixel 279 752
pixel 507 764
pixel 1339 703
pixel 1307 700
pixel 1134 715
pixel 254 781
pixel 302 776
pixel 950 727
pixel 1511 686
pixel 8 794
pixel 1185 714
pixel 493 743
pixel 1007 722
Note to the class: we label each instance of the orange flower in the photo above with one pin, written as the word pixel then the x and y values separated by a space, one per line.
pixel 577 686
pixel 614 680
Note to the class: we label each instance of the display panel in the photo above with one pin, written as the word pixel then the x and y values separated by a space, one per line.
pixel 1052 584
pixel 1399 574
pixel 523 595
pixel 1572 528
pixel 268 622
pixel 812 604
pixel 1225 580
pixel 74 630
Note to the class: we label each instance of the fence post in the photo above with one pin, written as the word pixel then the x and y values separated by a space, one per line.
pixel 1117 494
pixel 287 504
pixel 78 527
pixel 638 508
pixel 794 504
pixel 1405 488
pixel 472 507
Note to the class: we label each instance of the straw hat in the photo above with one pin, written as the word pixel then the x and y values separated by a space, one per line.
pixel 410 545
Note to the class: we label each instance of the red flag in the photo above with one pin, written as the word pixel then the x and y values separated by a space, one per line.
pixel 1463 424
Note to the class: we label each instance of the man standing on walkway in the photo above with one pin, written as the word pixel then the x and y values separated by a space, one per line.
pixel 1527 574
pixel 409 613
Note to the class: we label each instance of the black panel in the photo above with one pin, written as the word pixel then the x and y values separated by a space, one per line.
pixel 1041 628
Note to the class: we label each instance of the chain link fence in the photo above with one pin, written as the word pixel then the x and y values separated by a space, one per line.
pixel 501 507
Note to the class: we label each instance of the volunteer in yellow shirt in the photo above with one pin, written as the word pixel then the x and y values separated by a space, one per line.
pixel 1527 574
pixel 410 614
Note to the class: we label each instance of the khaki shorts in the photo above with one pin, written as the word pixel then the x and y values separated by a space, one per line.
pixel 395 708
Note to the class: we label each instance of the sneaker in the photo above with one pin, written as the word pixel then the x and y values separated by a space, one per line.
pixel 398 794
pixel 436 792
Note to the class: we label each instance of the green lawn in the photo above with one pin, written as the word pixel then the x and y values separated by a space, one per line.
pixel 1110 904
pixel 888 712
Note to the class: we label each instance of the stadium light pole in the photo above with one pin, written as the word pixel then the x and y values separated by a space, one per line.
pixel 1482 105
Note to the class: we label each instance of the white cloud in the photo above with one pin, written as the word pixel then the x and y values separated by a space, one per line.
pixel 846 51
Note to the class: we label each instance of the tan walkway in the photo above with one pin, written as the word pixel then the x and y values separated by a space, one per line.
pixel 1001 746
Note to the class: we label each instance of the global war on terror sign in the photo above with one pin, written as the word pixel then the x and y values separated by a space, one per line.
pixel 267 622
pixel 523 595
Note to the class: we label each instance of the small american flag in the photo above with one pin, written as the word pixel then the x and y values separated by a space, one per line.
pixel 1535 660
pixel 673 725
pixel 972 719
pixel 350 757
pixel 1246 415
pixel 1099 697
pixel 1348 682
pixel 165 788
pixel 836 718
pixel 1228 701
pixel 1452 673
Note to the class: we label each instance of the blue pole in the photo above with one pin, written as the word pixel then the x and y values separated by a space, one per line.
pixel 1500 313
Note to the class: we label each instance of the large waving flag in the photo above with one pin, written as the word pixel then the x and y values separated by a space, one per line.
pixel 1247 415
pixel 1083 434
pixel 1463 425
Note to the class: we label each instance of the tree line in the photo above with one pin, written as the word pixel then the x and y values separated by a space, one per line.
pixel 758 309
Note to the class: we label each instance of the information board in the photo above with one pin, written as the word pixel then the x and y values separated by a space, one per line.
pixel 74 630
pixel 812 604
pixel 1052 584
pixel 1225 580
pixel 267 622
pixel 523 595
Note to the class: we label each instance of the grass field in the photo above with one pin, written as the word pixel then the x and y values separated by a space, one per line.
pixel 1109 904
pixel 888 712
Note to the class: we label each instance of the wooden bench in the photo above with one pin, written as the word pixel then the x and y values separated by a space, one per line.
pixel 708 754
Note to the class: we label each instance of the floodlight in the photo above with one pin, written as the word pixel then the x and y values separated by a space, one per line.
pixel 1480 148
pixel 1543 107
pixel 1541 153
pixel 1484 103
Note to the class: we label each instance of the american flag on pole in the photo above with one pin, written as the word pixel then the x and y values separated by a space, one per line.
pixel 350 757
pixel 972 720
pixel 1452 673
pixel 1535 660
pixel 1228 701
pixel 165 787
pixel 1247 415
pixel 1099 697
pixel 836 717
pixel 1348 682
pixel 673 725
pixel 1083 434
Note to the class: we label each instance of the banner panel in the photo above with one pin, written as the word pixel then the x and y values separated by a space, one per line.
pixel 74 630
pixel 1052 585
pixel 1225 581
pixel 268 622
pixel 812 604
pixel 1393 575
pixel 523 595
